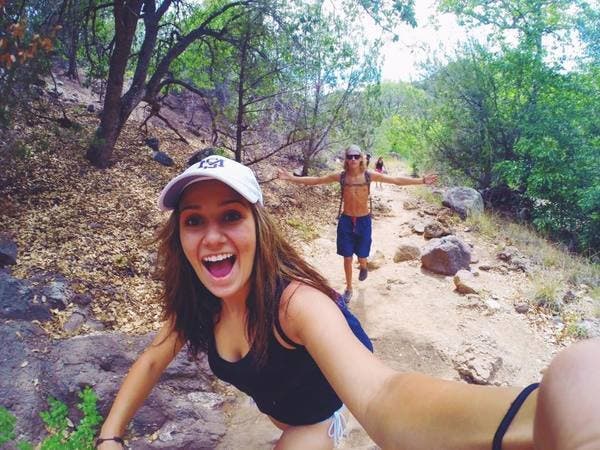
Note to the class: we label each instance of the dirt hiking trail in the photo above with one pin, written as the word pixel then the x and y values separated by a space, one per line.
pixel 416 320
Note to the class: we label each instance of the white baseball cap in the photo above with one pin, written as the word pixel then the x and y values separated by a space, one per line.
pixel 235 175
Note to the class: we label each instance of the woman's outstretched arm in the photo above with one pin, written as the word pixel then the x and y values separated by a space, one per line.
pixel 402 410
pixel 568 412
pixel 138 383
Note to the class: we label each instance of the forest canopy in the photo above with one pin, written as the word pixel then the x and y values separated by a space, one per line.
pixel 514 115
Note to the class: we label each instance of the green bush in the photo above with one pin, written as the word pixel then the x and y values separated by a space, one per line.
pixel 58 425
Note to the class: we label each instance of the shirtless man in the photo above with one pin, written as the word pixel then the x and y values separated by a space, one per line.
pixel 354 224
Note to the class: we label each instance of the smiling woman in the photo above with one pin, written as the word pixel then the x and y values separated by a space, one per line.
pixel 271 326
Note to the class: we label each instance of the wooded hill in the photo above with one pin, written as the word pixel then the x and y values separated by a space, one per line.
pixel 516 118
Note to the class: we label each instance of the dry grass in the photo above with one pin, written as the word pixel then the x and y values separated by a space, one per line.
pixel 307 230
pixel 485 224
pixel 546 290
pixel 426 194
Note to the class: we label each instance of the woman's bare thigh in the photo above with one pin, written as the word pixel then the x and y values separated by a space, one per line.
pixel 314 437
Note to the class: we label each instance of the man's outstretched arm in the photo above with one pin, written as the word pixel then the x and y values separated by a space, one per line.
pixel 308 181
pixel 404 181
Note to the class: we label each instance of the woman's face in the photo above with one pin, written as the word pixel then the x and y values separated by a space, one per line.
pixel 218 236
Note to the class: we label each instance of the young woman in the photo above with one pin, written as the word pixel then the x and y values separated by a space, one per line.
pixel 273 327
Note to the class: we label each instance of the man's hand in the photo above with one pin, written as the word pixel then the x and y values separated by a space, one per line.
pixel 430 179
pixel 283 175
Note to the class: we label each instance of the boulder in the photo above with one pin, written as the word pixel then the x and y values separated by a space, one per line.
pixel 8 251
pixel 446 255
pixel 435 229
pixel 464 200
pixel 406 252
pixel 18 300
pixel 184 398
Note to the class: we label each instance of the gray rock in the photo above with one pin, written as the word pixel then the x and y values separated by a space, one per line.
pixel 464 200
pixel 435 229
pixel 57 293
pixel 18 301
pixel 418 228
pixel 446 255
pixel 478 362
pixel 75 322
pixel 406 252
pixel 522 308
pixel 8 251
pixel 465 282
pixel 184 396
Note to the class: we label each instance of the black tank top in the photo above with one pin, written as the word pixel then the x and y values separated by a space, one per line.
pixel 289 387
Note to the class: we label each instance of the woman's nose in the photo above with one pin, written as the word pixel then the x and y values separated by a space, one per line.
pixel 214 235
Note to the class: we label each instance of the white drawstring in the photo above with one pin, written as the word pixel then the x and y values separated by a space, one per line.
pixel 337 429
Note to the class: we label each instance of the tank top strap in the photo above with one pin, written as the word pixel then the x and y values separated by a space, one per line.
pixel 282 285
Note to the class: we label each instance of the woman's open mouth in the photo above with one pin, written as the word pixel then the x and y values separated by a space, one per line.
pixel 219 265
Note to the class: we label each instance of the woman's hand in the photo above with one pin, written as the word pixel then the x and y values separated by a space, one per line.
pixel 430 179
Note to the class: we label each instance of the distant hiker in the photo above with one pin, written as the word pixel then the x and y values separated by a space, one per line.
pixel 354 223
pixel 368 160
pixel 381 169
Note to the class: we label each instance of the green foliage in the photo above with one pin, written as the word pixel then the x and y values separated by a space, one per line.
pixel 58 425
pixel 7 426
pixel 514 120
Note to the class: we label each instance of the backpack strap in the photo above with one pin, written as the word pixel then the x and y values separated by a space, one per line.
pixel 368 180
pixel 342 182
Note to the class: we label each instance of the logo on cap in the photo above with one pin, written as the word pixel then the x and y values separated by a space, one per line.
pixel 212 162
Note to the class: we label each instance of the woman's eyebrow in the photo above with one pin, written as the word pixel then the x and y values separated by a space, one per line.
pixel 223 203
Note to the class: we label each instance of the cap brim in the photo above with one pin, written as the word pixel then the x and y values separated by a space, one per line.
pixel 169 197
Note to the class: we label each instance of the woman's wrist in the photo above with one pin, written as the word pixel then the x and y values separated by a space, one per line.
pixel 107 438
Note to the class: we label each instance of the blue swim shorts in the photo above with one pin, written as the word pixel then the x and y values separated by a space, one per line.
pixel 354 236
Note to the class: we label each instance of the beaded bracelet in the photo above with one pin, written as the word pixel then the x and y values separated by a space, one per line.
pixel 117 439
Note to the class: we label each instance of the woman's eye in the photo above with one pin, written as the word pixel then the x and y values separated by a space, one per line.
pixel 192 221
pixel 232 216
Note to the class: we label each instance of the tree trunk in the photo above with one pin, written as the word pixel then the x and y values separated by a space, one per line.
pixel 239 124
pixel 114 116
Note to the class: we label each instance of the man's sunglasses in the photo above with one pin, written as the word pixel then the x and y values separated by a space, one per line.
pixel 349 157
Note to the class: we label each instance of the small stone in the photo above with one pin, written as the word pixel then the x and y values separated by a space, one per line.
pixel 522 308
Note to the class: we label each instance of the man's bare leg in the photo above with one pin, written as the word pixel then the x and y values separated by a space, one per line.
pixel 348 272
pixel 363 268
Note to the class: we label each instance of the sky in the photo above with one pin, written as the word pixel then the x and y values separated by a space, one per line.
pixel 402 58
pixel 440 34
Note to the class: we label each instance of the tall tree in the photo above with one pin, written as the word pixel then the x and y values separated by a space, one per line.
pixel 333 63
pixel 147 79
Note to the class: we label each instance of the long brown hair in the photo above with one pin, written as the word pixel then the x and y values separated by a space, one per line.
pixel 193 309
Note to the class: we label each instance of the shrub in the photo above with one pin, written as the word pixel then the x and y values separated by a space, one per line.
pixel 57 423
